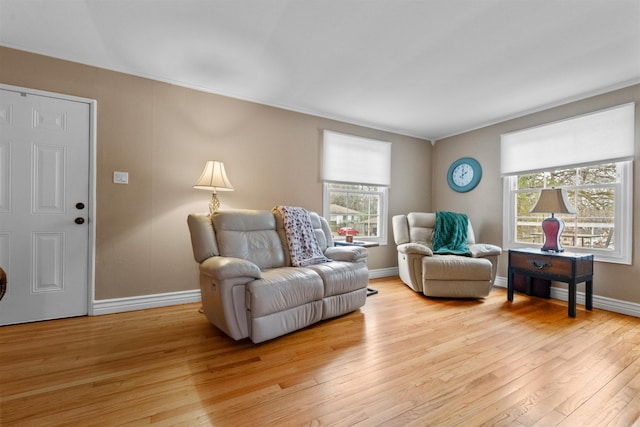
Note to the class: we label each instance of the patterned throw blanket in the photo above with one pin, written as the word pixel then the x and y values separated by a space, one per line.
pixel 301 239
pixel 450 234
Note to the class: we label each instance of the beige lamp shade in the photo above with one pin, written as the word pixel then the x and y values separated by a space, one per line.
pixel 214 178
pixel 553 200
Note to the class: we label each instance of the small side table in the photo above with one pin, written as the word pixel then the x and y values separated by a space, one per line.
pixel 355 243
pixel 569 267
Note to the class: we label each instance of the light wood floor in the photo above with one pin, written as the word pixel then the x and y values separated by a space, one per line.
pixel 402 359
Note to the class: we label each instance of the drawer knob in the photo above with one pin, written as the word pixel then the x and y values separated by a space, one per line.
pixel 538 264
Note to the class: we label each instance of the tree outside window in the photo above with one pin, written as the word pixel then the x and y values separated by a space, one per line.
pixel 591 191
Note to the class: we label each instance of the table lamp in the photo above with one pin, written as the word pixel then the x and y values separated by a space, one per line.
pixel 553 201
pixel 214 178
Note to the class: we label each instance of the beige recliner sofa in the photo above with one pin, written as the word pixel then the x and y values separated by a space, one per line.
pixel 438 275
pixel 250 288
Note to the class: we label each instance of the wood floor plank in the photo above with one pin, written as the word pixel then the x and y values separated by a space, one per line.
pixel 402 359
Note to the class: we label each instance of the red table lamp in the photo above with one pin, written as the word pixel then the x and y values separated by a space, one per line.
pixel 553 201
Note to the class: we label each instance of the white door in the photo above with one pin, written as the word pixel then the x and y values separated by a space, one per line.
pixel 44 191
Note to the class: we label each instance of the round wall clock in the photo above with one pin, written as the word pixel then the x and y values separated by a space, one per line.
pixel 464 174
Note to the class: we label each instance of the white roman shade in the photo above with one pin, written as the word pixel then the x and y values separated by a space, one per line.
pixel 595 138
pixel 353 159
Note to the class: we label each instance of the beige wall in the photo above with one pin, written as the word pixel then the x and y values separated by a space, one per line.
pixel 484 203
pixel 163 134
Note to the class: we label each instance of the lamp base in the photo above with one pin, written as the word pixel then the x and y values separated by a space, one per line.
pixel 214 203
pixel 552 228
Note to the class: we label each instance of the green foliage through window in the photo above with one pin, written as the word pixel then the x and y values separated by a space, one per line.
pixel 592 193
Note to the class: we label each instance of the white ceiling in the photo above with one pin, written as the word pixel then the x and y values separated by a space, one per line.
pixel 430 68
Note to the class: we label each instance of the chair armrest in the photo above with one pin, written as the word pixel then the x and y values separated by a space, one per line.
pixel 415 248
pixel 220 268
pixel 480 250
pixel 346 253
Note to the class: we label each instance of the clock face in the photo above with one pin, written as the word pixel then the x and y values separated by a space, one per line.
pixel 464 174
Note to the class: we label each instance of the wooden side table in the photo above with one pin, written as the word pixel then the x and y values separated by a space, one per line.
pixel 569 267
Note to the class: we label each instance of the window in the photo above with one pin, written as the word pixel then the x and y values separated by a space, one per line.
pixel 590 157
pixel 356 173
pixel 596 193
pixel 355 210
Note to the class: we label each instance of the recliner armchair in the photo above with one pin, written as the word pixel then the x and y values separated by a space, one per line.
pixel 437 275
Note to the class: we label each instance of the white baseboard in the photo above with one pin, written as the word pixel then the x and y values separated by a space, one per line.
pixel 604 303
pixel 119 305
pixel 383 272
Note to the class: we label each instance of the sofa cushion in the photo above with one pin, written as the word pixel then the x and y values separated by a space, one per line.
pixel 322 230
pixel 203 238
pixel 341 277
pixel 455 267
pixel 280 289
pixel 249 235
pixel 421 225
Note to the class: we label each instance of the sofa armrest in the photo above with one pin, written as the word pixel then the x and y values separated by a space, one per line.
pixel 480 250
pixel 220 268
pixel 415 248
pixel 346 253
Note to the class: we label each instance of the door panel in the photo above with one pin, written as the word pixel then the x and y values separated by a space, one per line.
pixel 5 173
pixel 44 172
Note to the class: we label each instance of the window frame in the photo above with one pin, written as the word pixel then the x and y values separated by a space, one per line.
pixel 623 211
pixel 382 193
pixel 356 160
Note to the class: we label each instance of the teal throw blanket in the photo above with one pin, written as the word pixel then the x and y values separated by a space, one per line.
pixel 450 234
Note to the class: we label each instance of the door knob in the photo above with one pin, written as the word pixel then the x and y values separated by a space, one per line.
pixel 79 205
pixel 79 220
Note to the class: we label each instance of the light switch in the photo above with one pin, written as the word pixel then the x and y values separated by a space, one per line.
pixel 120 177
